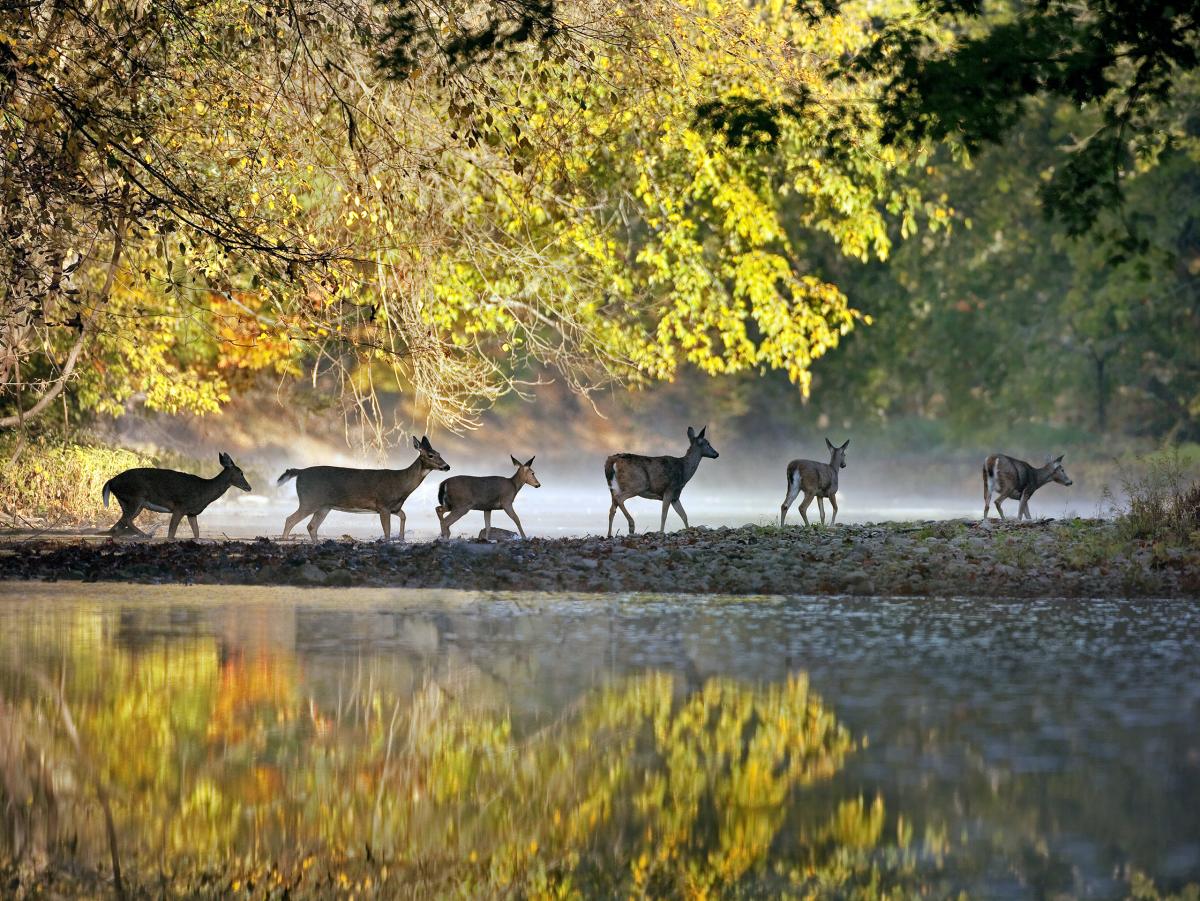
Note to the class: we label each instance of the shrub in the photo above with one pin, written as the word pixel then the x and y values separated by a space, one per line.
pixel 55 482
pixel 1161 501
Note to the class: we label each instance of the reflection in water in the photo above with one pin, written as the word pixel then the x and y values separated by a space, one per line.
pixel 579 748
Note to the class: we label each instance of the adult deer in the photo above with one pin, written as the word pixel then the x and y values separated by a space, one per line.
pixel 815 479
pixel 167 491
pixel 459 495
pixel 1007 478
pixel 320 489
pixel 656 478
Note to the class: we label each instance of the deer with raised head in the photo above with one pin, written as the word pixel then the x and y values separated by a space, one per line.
pixel 459 495
pixel 320 489
pixel 815 479
pixel 1006 478
pixel 167 491
pixel 656 478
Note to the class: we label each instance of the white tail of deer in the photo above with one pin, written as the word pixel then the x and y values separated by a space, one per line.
pixel 167 491
pixel 657 478
pixel 819 480
pixel 459 495
pixel 1006 478
pixel 320 489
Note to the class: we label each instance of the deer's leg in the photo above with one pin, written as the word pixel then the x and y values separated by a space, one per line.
pixel 403 520
pixel 808 499
pixel 315 522
pixel 385 520
pixel 662 526
pixel 1024 506
pixel 620 502
pixel 821 507
pixel 998 508
pixel 612 512
pixel 194 522
pixel 512 514
pixel 450 517
pixel 487 525
pixel 678 507
pixel 176 518
pixel 290 522
pixel 833 503
pixel 792 490
pixel 129 512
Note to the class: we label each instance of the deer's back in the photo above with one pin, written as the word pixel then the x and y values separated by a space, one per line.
pixel 476 492
pixel 348 488
pixel 642 476
pixel 163 487
pixel 814 477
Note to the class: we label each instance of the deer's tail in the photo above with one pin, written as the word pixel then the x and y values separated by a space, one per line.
pixel 442 494
pixel 287 474
pixel 106 491
pixel 610 473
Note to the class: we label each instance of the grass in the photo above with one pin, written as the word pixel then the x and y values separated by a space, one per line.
pixel 47 481
pixel 1160 500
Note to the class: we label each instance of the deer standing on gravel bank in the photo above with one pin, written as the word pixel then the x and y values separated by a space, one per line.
pixel 167 491
pixel 1006 477
pixel 656 478
pixel 320 489
pixel 819 480
pixel 459 495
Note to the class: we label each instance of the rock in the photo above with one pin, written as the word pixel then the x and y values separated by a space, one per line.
pixel 499 534
pixel 309 574
pixel 339 578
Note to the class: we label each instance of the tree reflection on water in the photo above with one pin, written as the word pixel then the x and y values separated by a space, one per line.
pixel 224 772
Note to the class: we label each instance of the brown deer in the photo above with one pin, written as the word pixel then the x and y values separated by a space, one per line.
pixel 459 495
pixel 320 489
pixel 819 480
pixel 1007 477
pixel 167 491
pixel 656 478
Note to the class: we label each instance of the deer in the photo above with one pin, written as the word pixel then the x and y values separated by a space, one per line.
pixel 459 495
pixel 320 489
pixel 815 479
pixel 656 478
pixel 168 491
pixel 1006 478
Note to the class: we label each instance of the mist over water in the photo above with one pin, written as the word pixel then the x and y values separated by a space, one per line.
pixel 574 501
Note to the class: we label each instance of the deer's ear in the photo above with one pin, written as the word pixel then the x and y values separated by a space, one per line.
pixel 515 461
pixel 425 442
pixel 1058 459
pixel 224 459
pixel 529 462
pixel 846 445
pixel 829 444
pixel 702 431
pixel 416 443
pixel 691 434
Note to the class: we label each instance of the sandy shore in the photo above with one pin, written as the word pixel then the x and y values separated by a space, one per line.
pixel 1064 558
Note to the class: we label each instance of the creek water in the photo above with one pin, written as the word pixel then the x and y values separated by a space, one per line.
pixel 1004 749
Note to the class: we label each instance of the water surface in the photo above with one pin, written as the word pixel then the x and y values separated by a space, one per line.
pixel 613 744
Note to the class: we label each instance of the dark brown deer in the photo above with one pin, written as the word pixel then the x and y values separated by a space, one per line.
pixel 459 495
pixel 1007 478
pixel 320 489
pixel 656 478
pixel 815 479
pixel 167 491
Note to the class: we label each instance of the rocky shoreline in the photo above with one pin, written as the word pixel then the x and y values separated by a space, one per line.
pixel 1064 558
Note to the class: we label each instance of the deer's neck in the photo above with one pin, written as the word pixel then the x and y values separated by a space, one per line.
pixel 1042 475
pixel 217 486
pixel 516 483
pixel 414 474
pixel 691 462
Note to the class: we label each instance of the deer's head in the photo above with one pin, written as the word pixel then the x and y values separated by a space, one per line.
pixel 430 459
pixel 697 439
pixel 525 473
pixel 1057 473
pixel 837 455
pixel 231 471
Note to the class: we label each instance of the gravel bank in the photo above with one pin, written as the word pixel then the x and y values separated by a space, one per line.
pixel 1069 558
